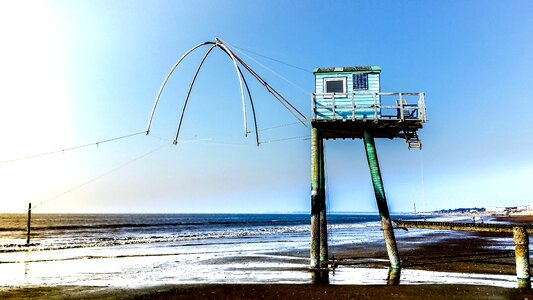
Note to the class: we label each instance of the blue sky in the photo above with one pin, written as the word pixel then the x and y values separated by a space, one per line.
pixel 75 72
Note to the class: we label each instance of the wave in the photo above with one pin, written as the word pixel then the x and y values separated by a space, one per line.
pixel 151 225
pixel 115 226
pixel 71 243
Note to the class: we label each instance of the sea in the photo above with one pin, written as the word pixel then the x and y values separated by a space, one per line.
pixel 138 250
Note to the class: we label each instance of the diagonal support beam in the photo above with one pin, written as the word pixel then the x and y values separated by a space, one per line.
pixel 383 208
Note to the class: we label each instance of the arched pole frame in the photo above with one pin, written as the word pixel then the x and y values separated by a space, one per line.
pixel 236 60
pixel 240 76
pixel 241 79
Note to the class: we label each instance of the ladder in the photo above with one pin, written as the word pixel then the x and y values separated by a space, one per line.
pixel 412 140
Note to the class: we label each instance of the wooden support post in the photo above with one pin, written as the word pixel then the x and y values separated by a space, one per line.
pixel 322 200
pixel 28 228
pixel 393 278
pixel 521 243
pixel 320 276
pixel 315 201
pixel 383 208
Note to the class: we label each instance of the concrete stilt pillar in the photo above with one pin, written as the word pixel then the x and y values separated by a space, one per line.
pixel 383 208
pixel 315 200
pixel 323 214
pixel 521 242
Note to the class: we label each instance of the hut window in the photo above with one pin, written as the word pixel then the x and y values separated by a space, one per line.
pixel 335 85
pixel 360 81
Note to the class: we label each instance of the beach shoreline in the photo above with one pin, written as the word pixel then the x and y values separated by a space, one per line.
pixel 438 253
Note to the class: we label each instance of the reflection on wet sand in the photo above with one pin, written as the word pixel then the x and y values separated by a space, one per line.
pixel 322 276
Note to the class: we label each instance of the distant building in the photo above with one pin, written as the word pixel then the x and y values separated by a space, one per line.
pixel 510 209
pixel 494 209
pixel 525 208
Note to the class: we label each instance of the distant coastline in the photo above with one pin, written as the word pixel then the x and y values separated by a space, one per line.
pixel 509 211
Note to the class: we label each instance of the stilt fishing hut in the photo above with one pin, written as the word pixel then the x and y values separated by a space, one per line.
pixel 348 104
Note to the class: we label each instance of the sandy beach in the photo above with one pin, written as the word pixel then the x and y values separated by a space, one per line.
pixel 440 253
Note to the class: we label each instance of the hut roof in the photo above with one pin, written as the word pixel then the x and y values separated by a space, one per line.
pixel 348 69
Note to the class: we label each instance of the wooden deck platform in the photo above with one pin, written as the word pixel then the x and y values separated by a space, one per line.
pixel 349 115
pixel 353 129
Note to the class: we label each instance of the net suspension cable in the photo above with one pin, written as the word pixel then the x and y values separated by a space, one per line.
pixel 108 172
pixel 293 110
pixel 268 57
pixel 73 148
pixel 299 87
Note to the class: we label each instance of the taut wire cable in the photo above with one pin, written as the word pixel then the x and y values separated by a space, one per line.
pixel 306 92
pixel 73 148
pixel 103 174
pixel 270 58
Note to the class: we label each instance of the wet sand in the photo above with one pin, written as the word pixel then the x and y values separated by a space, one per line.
pixel 441 251
pixel 275 291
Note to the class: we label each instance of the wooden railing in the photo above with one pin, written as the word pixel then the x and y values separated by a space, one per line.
pixel 369 105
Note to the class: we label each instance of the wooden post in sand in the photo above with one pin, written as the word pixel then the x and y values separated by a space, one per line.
pixel 393 278
pixel 386 224
pixel 319 224
pixel 28 229
pixel 521 242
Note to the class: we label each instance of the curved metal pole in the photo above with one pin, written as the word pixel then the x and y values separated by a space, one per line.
pixel 221 45
pixel 253 108
pixel 166 79
pixel 189 92
pixel 249 96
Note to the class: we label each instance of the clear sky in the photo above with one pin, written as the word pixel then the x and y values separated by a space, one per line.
pixel 75 72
